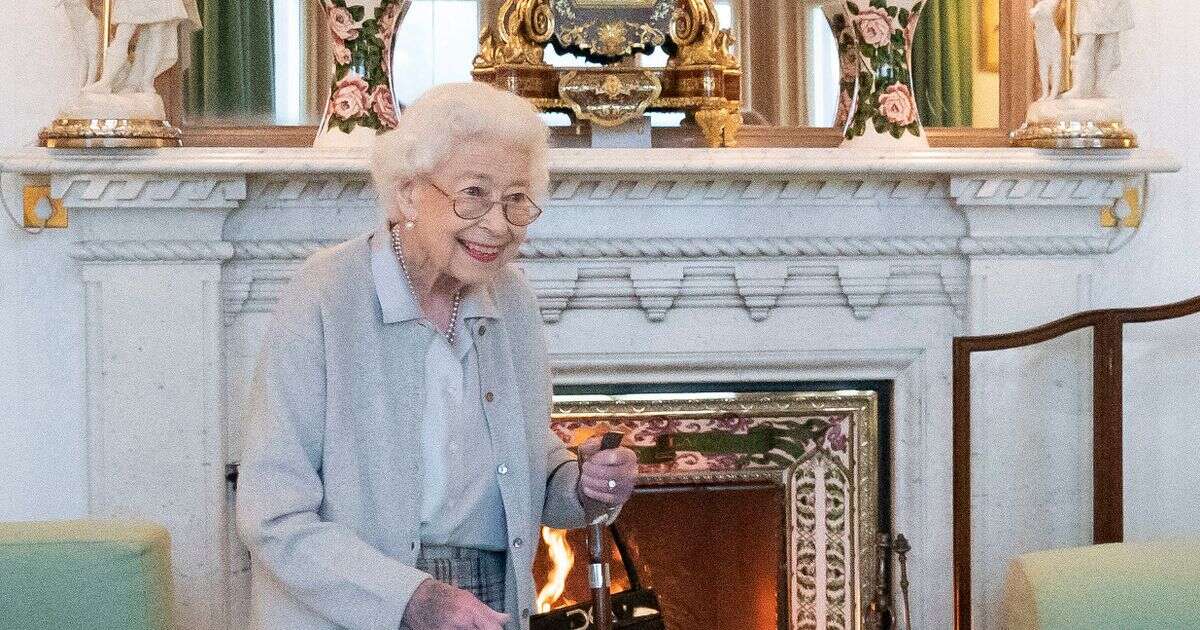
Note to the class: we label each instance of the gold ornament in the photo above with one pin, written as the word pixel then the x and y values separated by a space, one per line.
pixel 1052 134
pixel 88 133
pixel 702 78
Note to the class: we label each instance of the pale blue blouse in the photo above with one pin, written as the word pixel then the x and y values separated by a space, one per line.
pixel 461 504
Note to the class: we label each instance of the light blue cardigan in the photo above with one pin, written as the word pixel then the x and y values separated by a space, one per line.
pixel 328 500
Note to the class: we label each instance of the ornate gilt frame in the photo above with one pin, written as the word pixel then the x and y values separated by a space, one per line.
pixel 662 421
pixel 703 76
pixel 1018 88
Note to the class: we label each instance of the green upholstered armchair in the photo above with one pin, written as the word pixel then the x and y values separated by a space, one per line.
pixel 98 575
pixel 1126 587
pixel 1119 586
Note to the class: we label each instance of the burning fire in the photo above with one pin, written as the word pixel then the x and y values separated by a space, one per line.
pixel 558 549
pixel 562 558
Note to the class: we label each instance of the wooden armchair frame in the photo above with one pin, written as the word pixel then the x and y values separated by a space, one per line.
pixel 1107 424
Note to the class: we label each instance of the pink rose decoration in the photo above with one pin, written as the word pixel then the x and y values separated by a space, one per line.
pixel 382 105
pixel 910 29
pixel 874 26
pixel 342 24
pixel 341 53
pixel 350 98
pixel 848 63
pixel 845 100
pixel 387 22
pixel 387 32
pixel 387 52
pixel 897 105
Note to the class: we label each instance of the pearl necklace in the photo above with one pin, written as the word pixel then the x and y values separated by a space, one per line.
pixel 449 334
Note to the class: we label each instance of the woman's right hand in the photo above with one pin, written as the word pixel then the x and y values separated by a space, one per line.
pixel 438 606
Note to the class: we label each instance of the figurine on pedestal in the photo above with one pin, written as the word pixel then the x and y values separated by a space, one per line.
pixel 156 23
pixel 121 108
pixel 1086 115
pixel 1048 42
pixel 85 31
pixel 1098 23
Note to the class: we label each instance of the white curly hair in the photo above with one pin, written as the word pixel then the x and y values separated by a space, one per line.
pixel 447 115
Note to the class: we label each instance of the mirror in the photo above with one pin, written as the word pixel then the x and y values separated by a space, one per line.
pixel 269 63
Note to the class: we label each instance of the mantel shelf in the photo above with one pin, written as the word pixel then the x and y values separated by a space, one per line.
pixel 763 161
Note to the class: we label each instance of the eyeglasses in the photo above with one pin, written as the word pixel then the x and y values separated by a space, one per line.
pixel 519 209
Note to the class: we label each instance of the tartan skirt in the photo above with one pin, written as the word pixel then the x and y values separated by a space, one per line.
pixel 478 572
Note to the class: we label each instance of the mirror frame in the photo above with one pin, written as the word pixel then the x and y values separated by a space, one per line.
pixel 1018 88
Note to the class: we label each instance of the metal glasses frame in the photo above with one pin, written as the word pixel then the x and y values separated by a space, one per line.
pixel 455 199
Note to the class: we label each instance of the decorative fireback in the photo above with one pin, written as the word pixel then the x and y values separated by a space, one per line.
pixel 821 448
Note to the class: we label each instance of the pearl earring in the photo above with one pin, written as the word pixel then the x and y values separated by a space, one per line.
pixel 410 224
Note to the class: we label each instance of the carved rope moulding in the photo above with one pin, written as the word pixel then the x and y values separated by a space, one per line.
pixel 779 247
pixel 739 280
pixel 153 251
pixel 737 247
pixel 278 250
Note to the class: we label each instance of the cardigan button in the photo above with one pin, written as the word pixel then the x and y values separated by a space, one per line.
pixel 482 330
pixel 517 543
pixel 489 397
pixel 525 613
pixel 503 470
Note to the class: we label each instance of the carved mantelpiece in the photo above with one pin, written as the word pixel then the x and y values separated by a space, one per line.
pixel 938 207
pixel 653 265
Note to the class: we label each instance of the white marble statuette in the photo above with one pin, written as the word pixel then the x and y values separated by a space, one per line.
pixel 1087 115
pixel 124 88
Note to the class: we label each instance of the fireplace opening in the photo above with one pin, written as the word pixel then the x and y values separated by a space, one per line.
pixel 757 504
pixel 728 577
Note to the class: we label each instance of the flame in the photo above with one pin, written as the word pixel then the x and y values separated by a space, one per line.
pixel 562 558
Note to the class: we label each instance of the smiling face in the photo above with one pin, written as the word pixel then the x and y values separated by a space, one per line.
pixel 471 251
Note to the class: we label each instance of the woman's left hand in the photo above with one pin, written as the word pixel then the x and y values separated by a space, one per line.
pixel 618 466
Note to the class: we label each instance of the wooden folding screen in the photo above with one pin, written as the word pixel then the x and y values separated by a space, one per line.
pixel 1107 457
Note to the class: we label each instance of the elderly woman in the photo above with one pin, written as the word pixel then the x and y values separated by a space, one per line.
pixel 398 460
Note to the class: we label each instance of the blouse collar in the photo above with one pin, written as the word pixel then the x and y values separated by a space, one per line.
pixel 396 300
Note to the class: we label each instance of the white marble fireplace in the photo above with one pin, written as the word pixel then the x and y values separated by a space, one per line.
pixel 650 266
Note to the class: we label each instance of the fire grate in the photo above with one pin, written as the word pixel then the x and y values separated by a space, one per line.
pixel 634 609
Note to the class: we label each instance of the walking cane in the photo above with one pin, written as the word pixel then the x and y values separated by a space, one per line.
pixel 598 571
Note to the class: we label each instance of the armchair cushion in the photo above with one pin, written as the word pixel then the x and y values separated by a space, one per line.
pixel 93 574
pixel 1123 586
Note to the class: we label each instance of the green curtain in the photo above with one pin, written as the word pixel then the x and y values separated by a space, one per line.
pixel 231 75
pixel 943 60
